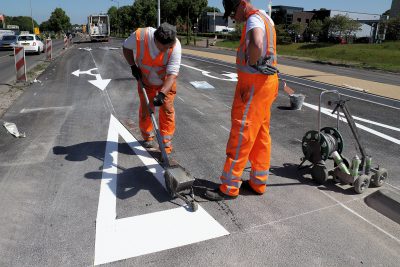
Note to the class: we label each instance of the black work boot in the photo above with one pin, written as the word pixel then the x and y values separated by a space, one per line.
pixel 217 195
pixel 246 185
pixel 148 144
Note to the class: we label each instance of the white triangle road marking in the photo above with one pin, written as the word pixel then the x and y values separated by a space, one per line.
pixel 118 239
pixel 101 84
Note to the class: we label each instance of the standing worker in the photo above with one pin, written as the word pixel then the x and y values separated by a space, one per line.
pixel 155 57
pixel 256 89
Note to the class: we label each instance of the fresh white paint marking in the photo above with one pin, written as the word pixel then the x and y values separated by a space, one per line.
pixel 99 82
pixel 118 239
pixel 85 48
pixel 361 217
pixel 206 96
pixel 198 111
pixel 232 76
pixel 360 126
pixel 355 88
pixel 28 110
pixel 226 129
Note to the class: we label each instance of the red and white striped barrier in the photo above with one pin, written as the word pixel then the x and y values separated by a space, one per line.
pixel 66 41
pixel 49 49
pixel 20 66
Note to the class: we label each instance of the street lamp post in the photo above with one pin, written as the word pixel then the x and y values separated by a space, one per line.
pixel 33 26
pixel 158 13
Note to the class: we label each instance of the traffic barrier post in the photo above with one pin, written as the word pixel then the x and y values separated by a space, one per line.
pixel 20 66
pixel 49 49
pixel 65 42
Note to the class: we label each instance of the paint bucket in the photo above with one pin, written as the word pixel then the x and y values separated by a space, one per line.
pixel 296 101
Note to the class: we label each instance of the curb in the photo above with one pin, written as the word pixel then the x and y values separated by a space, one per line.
pixel 385 202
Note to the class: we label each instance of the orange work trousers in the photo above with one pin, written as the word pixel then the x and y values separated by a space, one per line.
pixel 166 116
pixel 249 137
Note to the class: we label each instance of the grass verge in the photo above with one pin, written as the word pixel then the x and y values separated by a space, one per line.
pixel 384 56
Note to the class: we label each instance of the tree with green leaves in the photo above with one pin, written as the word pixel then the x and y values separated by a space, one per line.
pixel 392 27
pixel 343 26
pixel 114 19
pixel 144 13
pixel 24 22
pixel 59 21
pixel 211 9
pixel 315 28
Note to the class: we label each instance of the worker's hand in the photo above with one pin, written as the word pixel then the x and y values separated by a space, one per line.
pixel 136 72
pixel 159 99
pixel 265 69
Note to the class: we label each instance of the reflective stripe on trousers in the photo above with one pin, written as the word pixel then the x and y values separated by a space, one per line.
pixel 166 116
pixel 249 137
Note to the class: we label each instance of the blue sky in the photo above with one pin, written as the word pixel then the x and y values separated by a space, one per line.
pixel 78 10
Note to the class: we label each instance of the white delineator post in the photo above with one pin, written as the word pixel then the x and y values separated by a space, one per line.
pixel 65 42
pixel 20 66
pixel 49 49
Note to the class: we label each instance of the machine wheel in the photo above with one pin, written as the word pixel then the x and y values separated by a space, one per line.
pixel 361 184
pixel 194 206
pixel 378 179
pixel 38 50
pixel 319 173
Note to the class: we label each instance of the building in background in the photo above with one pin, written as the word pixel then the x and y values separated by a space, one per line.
pixel 214 22
pixel 395 10
pixel 284 14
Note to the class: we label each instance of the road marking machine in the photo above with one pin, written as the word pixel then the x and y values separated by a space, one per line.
pixel 327 144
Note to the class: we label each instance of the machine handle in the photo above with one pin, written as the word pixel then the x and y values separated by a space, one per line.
pixel 155 125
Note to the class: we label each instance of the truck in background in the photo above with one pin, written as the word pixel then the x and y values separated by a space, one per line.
pixel 98 27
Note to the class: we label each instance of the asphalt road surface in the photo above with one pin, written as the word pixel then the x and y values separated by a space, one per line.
pixel 80 190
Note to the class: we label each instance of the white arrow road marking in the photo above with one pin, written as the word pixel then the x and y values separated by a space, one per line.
pixel 118 239
pixel 360 126
pixel 232 76
pixel 99 82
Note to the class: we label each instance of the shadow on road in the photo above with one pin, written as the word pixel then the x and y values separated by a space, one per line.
pixel 130 180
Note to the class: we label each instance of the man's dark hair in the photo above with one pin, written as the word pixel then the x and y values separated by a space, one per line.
pixel 165 34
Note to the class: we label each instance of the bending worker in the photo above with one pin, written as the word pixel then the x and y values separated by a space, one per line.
pixel 256 89
pixel 155 57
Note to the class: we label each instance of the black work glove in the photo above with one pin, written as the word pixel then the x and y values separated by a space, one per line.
pixel 136 72
pixel 159 99
pixel 265 69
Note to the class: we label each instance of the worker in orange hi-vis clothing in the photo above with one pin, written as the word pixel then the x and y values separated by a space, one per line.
pixel 256 90
pixel 155 57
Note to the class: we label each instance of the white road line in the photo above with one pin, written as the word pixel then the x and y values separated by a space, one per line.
pixel 199 111
pixel 360 216
pixel 216 63
pixel 321 89
pixel 118 239
pixel 375 123
pixel 27 110
pixel 190 67
pixel 355 88
pixel 226 129
pixel 206 96
pixel 181 98
pixel 395 187
pixel 360 126
pixel 227 106
pixel 311 86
